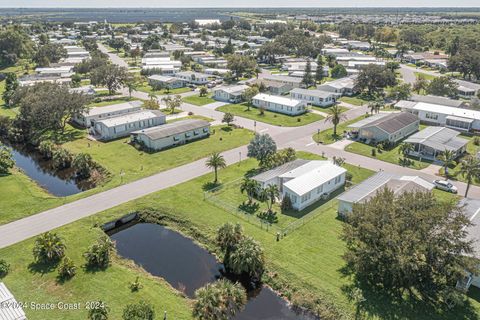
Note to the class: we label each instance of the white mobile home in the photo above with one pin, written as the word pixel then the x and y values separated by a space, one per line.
pixel 88 118
pixel 232 94
pixel 162 82
pixel 172 134
pixel 314 97
pixel 279 104
pixel 343 86
pixel 433 114
pixel 193 77
pixel 123 125
pixel 304 182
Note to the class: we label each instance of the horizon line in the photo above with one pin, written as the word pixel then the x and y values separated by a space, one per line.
pixel 248 7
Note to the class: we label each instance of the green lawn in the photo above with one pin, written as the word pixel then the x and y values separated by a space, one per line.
pixel 327 137
pixel 306 265
pixel 145 87
pixel 421 75
pixel 392 156
pixel 454 171
pixel 199 101
pixel 137 164
pixel 329 109
pixel 110 102
pixel 134 164
pixel 273 118
pixel 194 116
pixel 20 196
pixel 356 101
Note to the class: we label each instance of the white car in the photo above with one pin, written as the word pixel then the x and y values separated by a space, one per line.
pixel 445 186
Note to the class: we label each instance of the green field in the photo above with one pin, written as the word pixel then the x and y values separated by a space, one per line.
pixel 110 102
pixel 356 101
pixel 425 76
pixel 327 137
pixel 199 101
pixel 305 266
pixel 269 117
pixel 392 156
pixel 145 87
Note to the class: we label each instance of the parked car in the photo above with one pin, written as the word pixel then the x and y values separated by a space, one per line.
pixel 445 186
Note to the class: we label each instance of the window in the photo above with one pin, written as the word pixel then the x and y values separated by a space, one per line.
pixel 432 116
pixel 320 189
pixel 306 197
pixel 188 134
pixel 195 133
pixel 176 138
pixel 338 179
pixel 205 129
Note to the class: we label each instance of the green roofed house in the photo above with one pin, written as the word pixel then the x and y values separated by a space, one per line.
pixel 172 134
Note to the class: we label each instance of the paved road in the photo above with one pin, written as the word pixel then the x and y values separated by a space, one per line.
pixel 300 138
pixel 113 57
pixel 408 73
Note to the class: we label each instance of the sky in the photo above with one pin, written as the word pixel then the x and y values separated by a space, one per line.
pixel 237 3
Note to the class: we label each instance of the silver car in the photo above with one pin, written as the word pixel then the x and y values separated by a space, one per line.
pixel 445 186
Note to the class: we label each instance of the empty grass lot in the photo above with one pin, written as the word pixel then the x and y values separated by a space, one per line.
pixel 307 264
pixel 145 87
pixel 392 156
pixel 199 101
pixel 269 117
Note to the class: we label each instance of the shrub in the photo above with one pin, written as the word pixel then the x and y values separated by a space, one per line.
pixel 4 268
pixel 476 141
pixel 46 149
pixel 98 255
pixel 139 311
pixel 135 285
pixel 49 247
pixel 62 158
pixel 67 269
pixel 374 152
pixel 286 203
pixel 98 311
pixel 83 165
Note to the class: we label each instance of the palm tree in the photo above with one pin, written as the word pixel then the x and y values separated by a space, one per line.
pixel 250 187
pixel 219 300
pixel 247 258
pixel 270 194
pixel 216 161
pixel 376 105
pixel 335 117
pixel 470 170
pixel 49 247
pixel 172 103
pixel 99 311
pixel 405 149
pixel 448 158
pixel 131 86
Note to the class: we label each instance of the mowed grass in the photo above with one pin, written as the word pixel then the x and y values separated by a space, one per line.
pixel 30 283
pixel 392 155
pixel 119 156
pixel 327 136
pixel 356 101
pixel 145 87
pixel 269 117
pixel 112 101
pixel 198 100
pixel 20 196
pixel 306 264
pixel 425 76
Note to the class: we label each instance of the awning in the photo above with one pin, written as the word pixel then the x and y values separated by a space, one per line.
pixel 460 119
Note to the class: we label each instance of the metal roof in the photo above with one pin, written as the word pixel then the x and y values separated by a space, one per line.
pixel 388 122
pixel 278 171
pixel 278 100
pixel 315 174
pixel 439 109
pixel 114 108
pixel 314 93
pixel 472 211
pixel 10 309
pixel 438 100
pixel 174 128
pixel 438 138
pixel 370 186
pixel 131 117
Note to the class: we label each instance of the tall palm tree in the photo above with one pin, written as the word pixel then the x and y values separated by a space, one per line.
pixel 216 161
pixel 470 170
pixel 270 194
pixel 131 86
pixel 335 117
pixel 250 187
pixel 448 158
pixel 405 149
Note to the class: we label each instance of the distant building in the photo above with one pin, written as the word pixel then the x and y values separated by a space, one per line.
pixel 163 82
pixel 343 86
pixel 193 77
pixel 467 89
